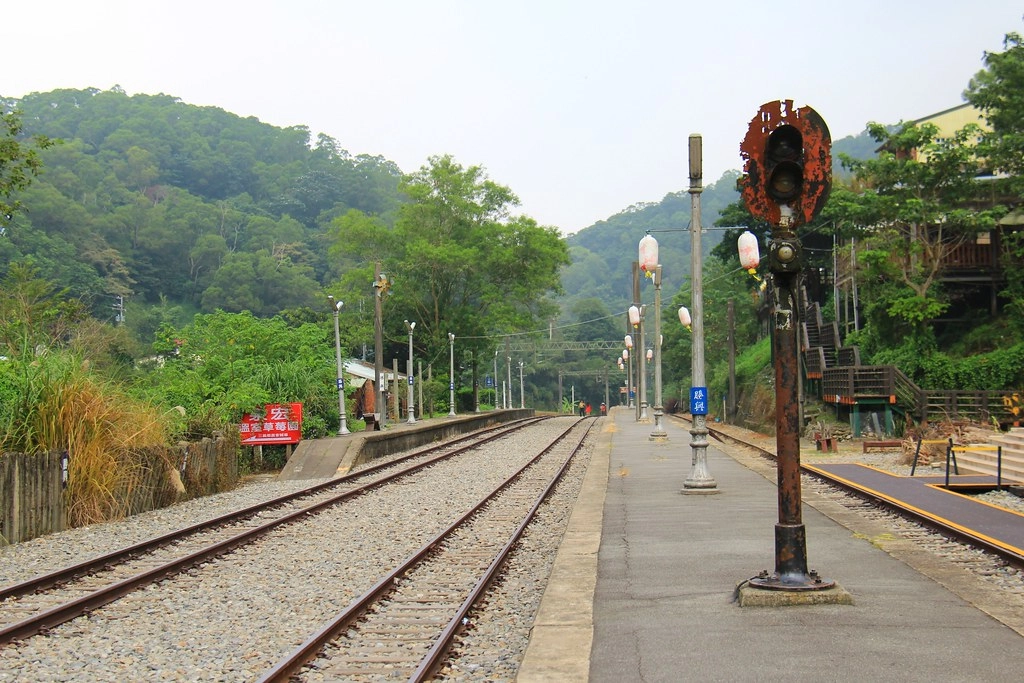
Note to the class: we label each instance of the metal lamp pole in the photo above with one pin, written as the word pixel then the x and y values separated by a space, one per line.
pixel 700 479
pixel 522 397
pixel 636 319
pixel 658 433
pixel 508 372
pixel 451 374
pixel 627 356
pixel 412 415
pixel 622 368
pixel 335 308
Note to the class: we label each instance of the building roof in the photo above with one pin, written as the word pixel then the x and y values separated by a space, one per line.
pixel 362 370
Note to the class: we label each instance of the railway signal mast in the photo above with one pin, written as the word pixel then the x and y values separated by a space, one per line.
pixel 788 176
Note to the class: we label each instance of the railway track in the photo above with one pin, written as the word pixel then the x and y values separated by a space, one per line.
pixel 50 599
pixel 339 544
pixel 405 624
pixel 949 529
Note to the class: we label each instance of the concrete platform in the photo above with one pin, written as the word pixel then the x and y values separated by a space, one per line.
pixel 336 455
pixel 645 587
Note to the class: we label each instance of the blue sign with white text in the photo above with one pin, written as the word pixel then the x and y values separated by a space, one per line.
pixel 698 400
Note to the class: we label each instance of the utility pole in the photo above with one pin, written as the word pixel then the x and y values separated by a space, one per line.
pixel 380 287
pixel 730 411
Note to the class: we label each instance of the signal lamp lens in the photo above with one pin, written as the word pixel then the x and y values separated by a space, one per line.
pixel 784 183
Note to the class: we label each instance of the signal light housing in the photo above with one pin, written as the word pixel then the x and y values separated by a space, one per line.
pixel 788 164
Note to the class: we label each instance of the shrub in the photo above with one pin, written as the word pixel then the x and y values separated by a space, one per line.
pixel 53 402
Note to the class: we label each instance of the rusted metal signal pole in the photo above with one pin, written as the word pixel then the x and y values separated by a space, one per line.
pixel 788 175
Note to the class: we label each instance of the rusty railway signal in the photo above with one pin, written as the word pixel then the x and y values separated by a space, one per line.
pixel 788 176
pixel 788 164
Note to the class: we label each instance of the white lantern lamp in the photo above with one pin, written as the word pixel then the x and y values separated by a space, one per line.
pixel 684 316
pixel 648 255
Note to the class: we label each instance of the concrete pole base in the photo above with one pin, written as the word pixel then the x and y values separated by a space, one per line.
pixel 748 595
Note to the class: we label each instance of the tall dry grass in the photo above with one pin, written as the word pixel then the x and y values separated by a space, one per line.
pixel 60 405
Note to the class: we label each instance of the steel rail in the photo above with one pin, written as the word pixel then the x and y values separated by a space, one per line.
pixel 122 555
pixel 434 658
pixel 60 614
pixel 310 649
pixel 959 533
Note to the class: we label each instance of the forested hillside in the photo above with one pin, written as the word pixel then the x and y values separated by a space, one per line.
pixel 147 200
pixel 602 254
pixel 151 199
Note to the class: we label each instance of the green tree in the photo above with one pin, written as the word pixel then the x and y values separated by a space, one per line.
pixel 593 322
pixel 19 162
pixel 459 262
pixel 998 92
pixel 262 283
pixel 222 365
pixel 915 211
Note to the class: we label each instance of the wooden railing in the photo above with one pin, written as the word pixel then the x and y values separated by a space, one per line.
pixel 843 380
pixel 970 256
pixel 908 394
pixel 981 406
pixel 848 385
pixel 849 355
pixel 814 362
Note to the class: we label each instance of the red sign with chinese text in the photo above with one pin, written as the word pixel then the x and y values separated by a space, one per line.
pixel 281 424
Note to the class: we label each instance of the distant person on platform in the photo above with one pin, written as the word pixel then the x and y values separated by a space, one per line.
pixel 588 410
pixel 583 407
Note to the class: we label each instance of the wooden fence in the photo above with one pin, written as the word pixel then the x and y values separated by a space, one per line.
pixel 36 499
pixel 31 495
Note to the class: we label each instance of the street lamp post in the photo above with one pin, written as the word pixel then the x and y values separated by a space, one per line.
pixel 700 479
pixel 627 359
pixel 508 373
pixel 648 250
pixel 412 415
pixel 522 397
pixel 636 319
pixel 622 368
pixel 335 308
pixel 451 374
pixel 658 433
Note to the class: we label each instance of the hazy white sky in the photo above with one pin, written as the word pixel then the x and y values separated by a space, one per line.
pixel 581 107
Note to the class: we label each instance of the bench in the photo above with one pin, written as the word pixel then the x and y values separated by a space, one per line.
pixel 882 444
pixel 825 443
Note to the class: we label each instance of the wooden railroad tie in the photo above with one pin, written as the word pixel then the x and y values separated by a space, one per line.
pixel 882 444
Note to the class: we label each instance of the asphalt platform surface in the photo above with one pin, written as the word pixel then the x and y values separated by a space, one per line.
pixel 645 586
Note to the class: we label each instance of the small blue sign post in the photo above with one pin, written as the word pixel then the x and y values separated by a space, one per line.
pixel 698 400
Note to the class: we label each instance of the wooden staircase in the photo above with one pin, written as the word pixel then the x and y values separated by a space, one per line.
pixel 981 458
pixel 834 374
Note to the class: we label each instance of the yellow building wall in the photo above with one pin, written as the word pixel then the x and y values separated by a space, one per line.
pixel 952 120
